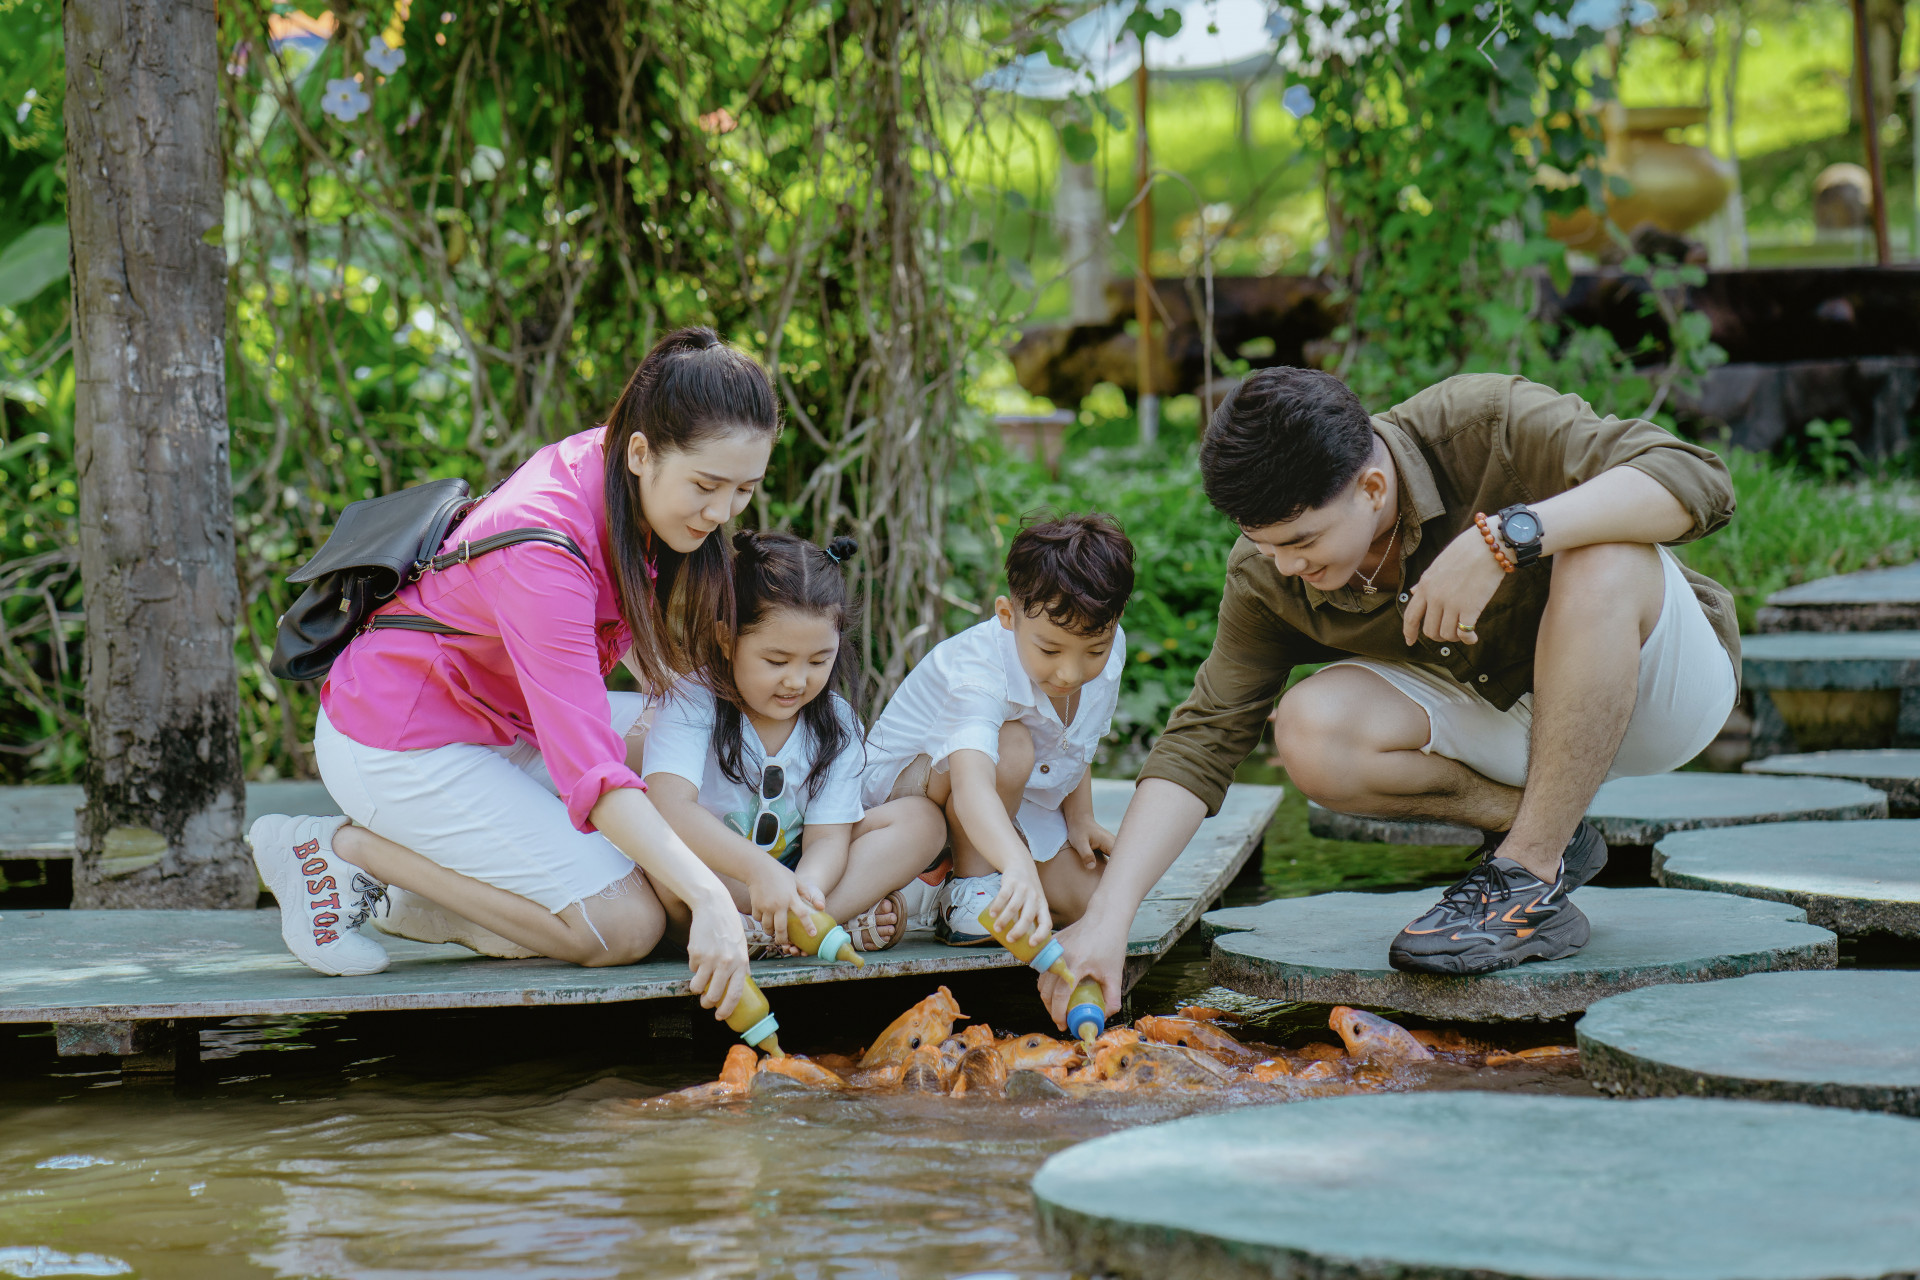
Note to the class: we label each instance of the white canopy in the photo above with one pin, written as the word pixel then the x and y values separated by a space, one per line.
pixel 1218 39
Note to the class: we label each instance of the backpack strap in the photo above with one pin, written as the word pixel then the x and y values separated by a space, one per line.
pixel 461 554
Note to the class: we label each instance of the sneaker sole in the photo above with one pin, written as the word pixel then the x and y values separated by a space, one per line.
pixel 946 933
pixel 1565 935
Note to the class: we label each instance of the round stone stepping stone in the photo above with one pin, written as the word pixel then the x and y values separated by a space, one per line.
pixel 1836 660
pixel 1331 824
pixel 1851 877
pixel 1332 949
pixel 1639 811
pixel 1836 1038
pixel 1871 600
pixel 1893 770
pixel 1397 1187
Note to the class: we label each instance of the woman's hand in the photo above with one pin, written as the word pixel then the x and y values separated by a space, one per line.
pixel 717 954
pixel 1020 910
pixel 1454 590
pixel 1088 836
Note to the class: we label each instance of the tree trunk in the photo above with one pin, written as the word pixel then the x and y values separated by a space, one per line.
pixel 164 795
pixel 1080 210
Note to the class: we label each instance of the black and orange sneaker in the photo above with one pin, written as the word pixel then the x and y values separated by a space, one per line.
pixel 1584 857
pixel 1498 916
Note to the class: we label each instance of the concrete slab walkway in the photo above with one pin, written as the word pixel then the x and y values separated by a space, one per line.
pixel 1837 691
pixel 1840 1038
pixel 1332 949
pixel 1851 877
pixel 1872 600
pixel 109 971
pixel 1413 1186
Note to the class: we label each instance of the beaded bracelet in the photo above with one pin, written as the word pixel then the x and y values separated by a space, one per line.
pixel 1493 543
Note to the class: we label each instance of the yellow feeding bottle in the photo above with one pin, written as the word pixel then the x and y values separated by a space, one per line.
pixel 819 934
pixel 1087 1010
pixel 753 1019
pixel 1041 959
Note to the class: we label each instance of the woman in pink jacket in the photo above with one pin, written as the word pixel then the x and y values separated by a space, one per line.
pixel 489 778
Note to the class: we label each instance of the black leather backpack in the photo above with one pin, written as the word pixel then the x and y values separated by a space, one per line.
pixel 378 546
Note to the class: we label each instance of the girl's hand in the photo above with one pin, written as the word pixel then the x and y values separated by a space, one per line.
pixel 1453 591
pixel 1020 910
pixel 717 954
pixel 771 893
pixel 1086 837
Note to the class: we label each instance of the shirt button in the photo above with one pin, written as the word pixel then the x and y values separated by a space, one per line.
pixel 1046 768
pixel 1445 652
pixel 1483 679
pixel 1404 597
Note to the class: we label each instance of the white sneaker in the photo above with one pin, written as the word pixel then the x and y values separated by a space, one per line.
pixel 408 915
pixel 323 900
pixel 957 913
pixel 923 903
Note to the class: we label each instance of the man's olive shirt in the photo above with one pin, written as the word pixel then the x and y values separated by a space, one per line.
pixel 1474 443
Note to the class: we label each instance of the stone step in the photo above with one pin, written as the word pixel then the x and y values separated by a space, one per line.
pixel 1854 878
pixel 1872 600
pixel 37 822
pixel 1832 691
pixel 1893 770
pixel 1638 811
pixel 1411 1186
pixel 1840 1038
pixel 1332 949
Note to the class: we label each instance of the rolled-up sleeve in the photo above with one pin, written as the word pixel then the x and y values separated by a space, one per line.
pixel 1221 721
pixel 545 607
pixel 1554 442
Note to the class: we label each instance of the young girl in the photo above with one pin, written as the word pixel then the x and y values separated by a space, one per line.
pixel 488 772
pixel 763 782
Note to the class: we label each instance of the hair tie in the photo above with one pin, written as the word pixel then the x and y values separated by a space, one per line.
pixel 831 556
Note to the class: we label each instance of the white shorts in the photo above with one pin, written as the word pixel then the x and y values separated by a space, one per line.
pixel 491 813
pixel 1687 690
pixel 1043 828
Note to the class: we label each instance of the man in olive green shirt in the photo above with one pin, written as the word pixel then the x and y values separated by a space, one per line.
pixel 1483 568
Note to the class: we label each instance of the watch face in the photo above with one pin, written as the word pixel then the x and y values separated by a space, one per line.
pixel 1521 528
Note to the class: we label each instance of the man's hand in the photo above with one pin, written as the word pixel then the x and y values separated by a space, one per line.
pixel 1088 837
pixel 1092 948
pixel 1454 590
pixel 1020 910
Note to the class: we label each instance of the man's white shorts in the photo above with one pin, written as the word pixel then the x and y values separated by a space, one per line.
pixel 487 812
pixel 1687 690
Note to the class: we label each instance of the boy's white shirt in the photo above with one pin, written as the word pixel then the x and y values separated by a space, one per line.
pixel 681 743
pixel 960 695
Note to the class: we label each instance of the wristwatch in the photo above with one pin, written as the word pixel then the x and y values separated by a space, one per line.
pixel 1520 530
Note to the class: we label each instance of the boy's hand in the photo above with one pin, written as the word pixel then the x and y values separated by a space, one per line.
pixel 1020 910
pixel 1088 837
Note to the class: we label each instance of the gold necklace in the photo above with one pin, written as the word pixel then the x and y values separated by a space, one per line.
pixel 1366 583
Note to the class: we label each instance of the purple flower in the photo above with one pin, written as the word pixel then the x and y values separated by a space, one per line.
pixel 344 101
pixel 384 60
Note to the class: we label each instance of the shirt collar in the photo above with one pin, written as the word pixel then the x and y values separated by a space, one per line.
pixel 1020 688
pixel 1419 502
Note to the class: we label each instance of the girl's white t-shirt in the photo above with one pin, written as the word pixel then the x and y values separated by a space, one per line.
pixel 681 743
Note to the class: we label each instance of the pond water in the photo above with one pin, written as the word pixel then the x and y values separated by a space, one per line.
pixel 506 1144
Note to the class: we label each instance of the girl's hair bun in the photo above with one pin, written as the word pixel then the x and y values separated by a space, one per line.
pixel 746 542
pixel 842 549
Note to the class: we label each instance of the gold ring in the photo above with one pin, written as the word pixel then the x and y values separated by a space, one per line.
pixel 1463 628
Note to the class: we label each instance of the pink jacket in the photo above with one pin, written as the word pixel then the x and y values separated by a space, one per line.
pixel 547 631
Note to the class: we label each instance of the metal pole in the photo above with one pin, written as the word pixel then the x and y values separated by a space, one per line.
pixel 1149 403
pixel 1870 130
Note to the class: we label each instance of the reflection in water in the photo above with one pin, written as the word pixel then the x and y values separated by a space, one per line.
pixel 502 1145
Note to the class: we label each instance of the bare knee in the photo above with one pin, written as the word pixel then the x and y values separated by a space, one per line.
pixel 1329 723
pixel 618 931
pixel 1609 581
pixel 1016 759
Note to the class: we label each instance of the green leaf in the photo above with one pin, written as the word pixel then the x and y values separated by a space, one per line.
pixel 1078 142
pixel 976 254
pixel 34 260
pixel 33 440
pixel 215 234
pixel 1020 273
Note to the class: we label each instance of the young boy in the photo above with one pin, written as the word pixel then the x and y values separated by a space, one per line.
pixel 999 724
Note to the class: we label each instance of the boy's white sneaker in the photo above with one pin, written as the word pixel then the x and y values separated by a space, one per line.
pixel 957 913
pixel 408 915
pixel 323 900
